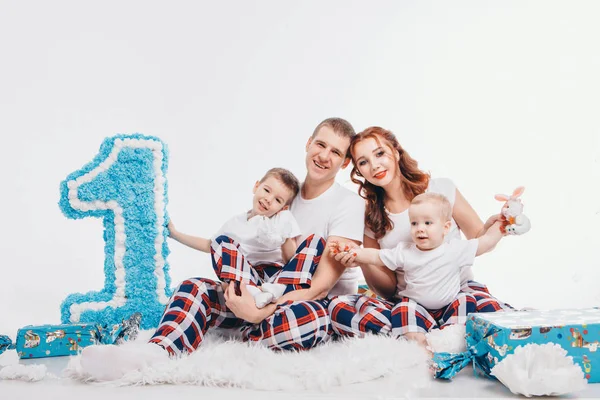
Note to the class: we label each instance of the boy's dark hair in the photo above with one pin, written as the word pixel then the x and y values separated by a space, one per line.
pixel 339 126
pixel 288 179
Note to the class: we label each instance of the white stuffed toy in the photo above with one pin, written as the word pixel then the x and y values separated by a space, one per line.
pixel 516 222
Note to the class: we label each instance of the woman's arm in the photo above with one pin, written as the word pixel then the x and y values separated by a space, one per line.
pixel 467 219
pixel 381 279
pixel 328 272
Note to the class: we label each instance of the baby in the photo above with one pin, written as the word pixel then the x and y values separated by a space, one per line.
pixel 431 266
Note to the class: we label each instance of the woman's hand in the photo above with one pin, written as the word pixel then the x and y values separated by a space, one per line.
pixel 243 305
pixel 345 255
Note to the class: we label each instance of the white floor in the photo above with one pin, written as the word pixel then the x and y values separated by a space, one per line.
pixel 464 386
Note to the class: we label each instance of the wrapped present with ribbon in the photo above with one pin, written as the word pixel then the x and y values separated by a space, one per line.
pixel 68 339
pixel 55 340
pixel 6 344
pixel 492 337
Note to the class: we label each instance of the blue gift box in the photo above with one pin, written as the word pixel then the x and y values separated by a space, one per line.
pixel 55 340
pixel 576 331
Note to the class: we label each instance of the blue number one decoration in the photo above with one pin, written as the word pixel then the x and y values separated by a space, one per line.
pixel 126 186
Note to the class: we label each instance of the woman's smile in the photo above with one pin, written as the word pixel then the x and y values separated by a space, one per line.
pixel 380 175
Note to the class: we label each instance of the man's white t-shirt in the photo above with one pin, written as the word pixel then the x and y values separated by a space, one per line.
pixel 261 238
pixel 336 212
pixel 433 276
pixel 400 233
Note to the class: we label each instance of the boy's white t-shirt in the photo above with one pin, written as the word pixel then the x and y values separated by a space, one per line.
pixel 336 212
pixel 432 276
pixel 400 232
pixel 260 238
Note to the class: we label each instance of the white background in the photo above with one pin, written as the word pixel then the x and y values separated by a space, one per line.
pixel 490 94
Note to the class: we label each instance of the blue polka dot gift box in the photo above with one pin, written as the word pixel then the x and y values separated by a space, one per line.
pixel 55 340
pixel 496 335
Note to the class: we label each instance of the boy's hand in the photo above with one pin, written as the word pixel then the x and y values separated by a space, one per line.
pixel 171 227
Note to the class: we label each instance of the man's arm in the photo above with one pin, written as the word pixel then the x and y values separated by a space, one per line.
pixel 380 278
pixel 329 270
pixel 327 274
pixel 243 305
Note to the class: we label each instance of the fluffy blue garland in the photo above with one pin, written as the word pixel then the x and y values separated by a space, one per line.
pixel 130 182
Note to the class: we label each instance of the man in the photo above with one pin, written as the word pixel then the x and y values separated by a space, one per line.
pixel 323 208
pixel 299 321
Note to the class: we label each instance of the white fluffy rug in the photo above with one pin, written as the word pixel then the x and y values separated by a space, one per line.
pixel 230 363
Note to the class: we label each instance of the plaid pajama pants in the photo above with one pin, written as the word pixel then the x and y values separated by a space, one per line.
pixel 199 304
pixel 230 264
pixel 356 315
pixel 485 301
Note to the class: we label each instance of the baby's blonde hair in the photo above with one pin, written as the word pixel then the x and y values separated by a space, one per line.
pixel 438 200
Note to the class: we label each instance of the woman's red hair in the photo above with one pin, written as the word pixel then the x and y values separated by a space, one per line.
pixel 414 181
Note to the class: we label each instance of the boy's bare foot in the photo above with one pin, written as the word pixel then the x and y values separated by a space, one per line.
pixel 263 298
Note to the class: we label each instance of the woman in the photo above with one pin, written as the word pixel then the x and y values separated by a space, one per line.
pixel 390 180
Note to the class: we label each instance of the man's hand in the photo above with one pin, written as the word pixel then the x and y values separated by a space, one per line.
pixel 243 306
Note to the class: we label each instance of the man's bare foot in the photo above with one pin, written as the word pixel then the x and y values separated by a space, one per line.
pixel 110 362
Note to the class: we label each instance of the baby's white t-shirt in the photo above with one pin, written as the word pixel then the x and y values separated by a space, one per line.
pixel 400 232
pixel 432 276
pixel 260 238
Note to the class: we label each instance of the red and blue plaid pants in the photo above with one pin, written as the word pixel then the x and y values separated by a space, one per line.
pixel 355 315
pixel 485 301
pixel 199 304
pixel 230 264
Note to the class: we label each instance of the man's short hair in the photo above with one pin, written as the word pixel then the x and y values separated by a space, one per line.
pixel 338 125
pixel 286 177
pixel 437 199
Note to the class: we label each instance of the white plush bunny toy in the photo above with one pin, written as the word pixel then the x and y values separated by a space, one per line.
pixel 516 223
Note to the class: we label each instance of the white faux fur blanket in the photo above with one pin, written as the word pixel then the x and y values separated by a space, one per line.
pixel 229 363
